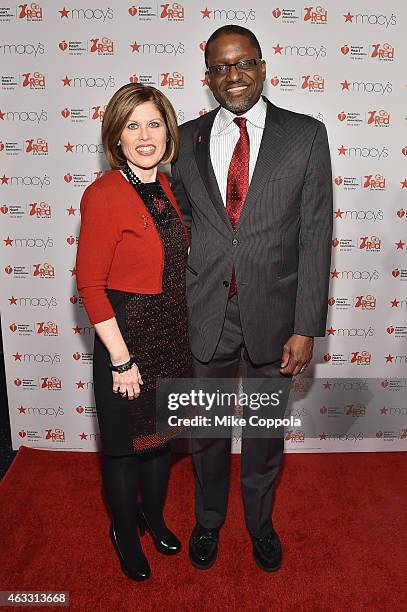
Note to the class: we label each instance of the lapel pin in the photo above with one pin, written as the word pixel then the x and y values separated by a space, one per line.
pixel 200 138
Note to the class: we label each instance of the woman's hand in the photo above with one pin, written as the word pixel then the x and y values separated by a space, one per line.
pixel 128 383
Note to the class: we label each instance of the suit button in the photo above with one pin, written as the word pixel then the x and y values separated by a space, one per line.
pixel 226 283
pixel 235 242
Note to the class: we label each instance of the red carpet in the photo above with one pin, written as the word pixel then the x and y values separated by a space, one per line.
pixel 341 517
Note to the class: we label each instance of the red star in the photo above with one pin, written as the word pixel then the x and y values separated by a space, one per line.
pixel 22 410
pixel 335 273
pixel 12 300
pixel 331 331
pixel 383 410
pixel 277 49
pixel 73 271
pixel 327 385
pixel 77 329
pixel 348 17
pixel 322 436
pixel 4 179
pixel 8 241
pixel 389 358
pixel 339 213
pixel 66 81
pixel 204 81
pixel 80 384
pixel 68 147
pixel 395 303
pixel 17 356
pixel 135 47
pixel 400 245
pixel 2 116
pixel 404 184
pixel 342 150
pixel 71 211
pixel 206 13
pixel 345 85
pixel 83 436
pixel 64 13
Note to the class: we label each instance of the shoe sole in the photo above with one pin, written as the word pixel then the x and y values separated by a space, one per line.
pixel 266 569
pixel 203 567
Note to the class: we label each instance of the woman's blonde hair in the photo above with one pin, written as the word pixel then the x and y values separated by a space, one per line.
pixel 118 111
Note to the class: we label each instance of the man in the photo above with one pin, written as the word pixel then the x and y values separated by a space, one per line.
pixel 255 187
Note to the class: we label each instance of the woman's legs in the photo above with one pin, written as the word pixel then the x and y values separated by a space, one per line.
pixel 154 474
pixel 120 477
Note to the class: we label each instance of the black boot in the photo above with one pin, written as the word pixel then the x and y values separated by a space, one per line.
pixel 120 479
pixel 154 471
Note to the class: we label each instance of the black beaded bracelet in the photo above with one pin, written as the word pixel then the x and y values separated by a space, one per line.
pixel 123 367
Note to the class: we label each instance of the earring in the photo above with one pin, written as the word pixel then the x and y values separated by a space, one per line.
pixel 119 144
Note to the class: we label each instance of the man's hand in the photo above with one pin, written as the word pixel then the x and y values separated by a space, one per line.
pixel 297 353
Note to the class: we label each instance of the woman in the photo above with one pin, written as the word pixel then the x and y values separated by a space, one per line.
pixel 130 274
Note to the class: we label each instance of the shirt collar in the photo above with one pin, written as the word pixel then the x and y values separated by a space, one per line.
pixel 256 115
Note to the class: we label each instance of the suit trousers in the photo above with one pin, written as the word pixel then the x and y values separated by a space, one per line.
pixel 260 457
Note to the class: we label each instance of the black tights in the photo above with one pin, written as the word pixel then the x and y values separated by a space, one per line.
pixel 122 477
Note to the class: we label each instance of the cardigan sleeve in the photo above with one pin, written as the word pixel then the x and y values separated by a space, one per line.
pixel 98 238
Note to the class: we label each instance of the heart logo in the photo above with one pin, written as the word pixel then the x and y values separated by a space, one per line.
pixel 323 410
pixel 8 269
pixel 68 178
pixel 73 299
pixel 63 45
pixel 331 301
pixel 390 329
pixel 385 383
pixel 22 434
pixel 345 49
pixel 4 209
pixel 342 116
pixel 133 11
pixel 17 382
pixel 404 150
pixel 276 13
pixel 202 45
pixel 338 180
pixel 396 273
pixel 379 434
pixel 275 81
pixel 79 409
pixel 401 213
pixel 65 113
pixel 1 145
pixel 76 356
pixel 13 327
pixel 70 240
pixel 327 357
pixel 133 78
pixel 335 242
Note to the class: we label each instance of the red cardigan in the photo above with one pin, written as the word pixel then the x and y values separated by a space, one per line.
pixel 119 245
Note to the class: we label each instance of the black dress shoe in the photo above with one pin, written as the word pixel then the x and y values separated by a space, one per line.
pixel 165 541
pixel 203 546
pixel 267 552
pixel 140 571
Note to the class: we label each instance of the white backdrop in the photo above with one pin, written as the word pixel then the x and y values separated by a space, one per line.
pixel 342 63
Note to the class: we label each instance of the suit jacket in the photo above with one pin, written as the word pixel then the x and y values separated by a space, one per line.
pixel 281 247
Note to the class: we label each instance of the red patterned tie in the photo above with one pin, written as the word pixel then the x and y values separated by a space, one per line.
pixel 238 183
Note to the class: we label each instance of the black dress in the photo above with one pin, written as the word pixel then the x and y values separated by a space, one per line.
pixel 154 328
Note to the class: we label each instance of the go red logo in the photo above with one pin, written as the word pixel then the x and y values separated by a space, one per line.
pixel 382 52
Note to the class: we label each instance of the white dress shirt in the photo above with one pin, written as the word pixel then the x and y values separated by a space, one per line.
pixel 224 136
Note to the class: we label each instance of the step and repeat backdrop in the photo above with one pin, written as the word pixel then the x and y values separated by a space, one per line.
pixel 341 62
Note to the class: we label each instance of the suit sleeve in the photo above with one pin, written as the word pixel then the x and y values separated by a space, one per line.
pixel 98 238
pixel 316 218
pixel 179 192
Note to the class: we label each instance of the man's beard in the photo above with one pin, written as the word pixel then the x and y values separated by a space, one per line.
pixel 238 107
